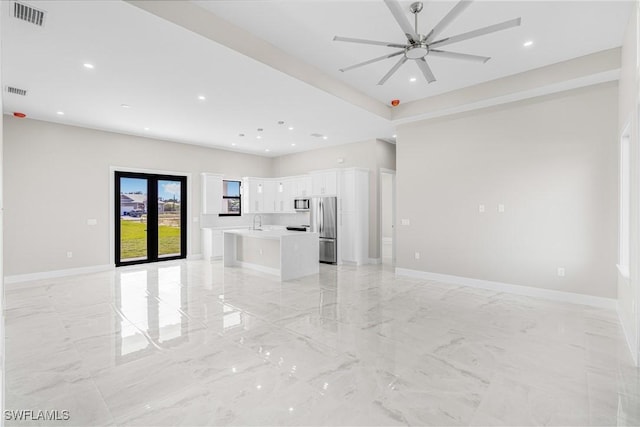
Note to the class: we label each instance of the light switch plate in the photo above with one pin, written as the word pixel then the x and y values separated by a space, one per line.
pixel 501 208
pixel 481 208
pixel 92 221
pixel 561 272
pixel 405 222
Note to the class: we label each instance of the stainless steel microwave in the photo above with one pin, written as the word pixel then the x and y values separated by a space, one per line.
pixel 301 204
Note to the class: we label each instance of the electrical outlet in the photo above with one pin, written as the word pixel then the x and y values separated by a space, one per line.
pixel 92 221
pixel 481 208
pixel 561 272
pixel 69 254
pixel 417 255
pixel 501 208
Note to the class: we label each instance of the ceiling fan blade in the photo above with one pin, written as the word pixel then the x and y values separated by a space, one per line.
pixel 399 14
pixel 448 19
pixel 426 70
pixel 455 55
pixel 392 70
pixel 363 41
pixel 371 61
pixel 477 33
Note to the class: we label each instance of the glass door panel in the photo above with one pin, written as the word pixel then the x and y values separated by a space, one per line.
pixel 133 219
pixel 169 218
pixel 150 217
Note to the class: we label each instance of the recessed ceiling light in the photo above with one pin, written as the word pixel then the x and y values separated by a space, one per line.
pixel 394 135
pixel 528 43
pixel 146 128
pixel 325 137
pixel 412 79
pixel 293 145
pixel 125 106
pixel 258 137
pixel 266 149
pixel 60 113
pixel 290 127
pixel 233 144
pixel 89 66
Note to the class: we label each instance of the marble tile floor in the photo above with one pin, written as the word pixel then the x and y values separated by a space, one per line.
pixel 190 343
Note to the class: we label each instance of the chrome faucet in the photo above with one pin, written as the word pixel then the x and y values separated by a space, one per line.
pixel 254 222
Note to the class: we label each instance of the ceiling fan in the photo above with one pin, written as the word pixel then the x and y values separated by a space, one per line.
pixel 420 46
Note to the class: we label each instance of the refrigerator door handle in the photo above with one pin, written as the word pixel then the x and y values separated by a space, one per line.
pixel 321 217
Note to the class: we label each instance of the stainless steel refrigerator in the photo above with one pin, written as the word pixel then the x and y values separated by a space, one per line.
pixel 324 222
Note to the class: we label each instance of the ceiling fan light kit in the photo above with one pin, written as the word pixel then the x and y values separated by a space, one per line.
pixel 419 46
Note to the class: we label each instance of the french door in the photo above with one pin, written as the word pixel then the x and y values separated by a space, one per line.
pixel 150 217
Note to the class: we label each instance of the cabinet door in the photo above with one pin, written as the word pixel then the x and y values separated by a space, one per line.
pixel 303 186
pixel 317 184
pixel 348 240
pixel 331 183
pixel 347 194
pixel 211 194
pixel 256 196
pixel 284 195
pixel 217 244
pixel 269 191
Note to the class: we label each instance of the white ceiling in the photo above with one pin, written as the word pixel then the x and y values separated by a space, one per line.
pixel 560 30
pixel 159 68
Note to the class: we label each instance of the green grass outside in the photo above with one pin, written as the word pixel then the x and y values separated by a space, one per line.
pixel 133 240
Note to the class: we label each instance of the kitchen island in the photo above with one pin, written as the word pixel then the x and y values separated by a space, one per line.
pixel 287 254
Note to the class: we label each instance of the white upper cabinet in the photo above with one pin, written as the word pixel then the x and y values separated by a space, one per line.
pixel 284 195
pixel 301 186
pixel 253 195
pixel 269 194
pixel 324 183
pixel 211 193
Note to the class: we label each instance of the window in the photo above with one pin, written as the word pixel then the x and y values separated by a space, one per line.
pixel 231 204
pixel 625 196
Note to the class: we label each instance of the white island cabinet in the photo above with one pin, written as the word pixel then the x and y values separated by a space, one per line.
pixel 287 254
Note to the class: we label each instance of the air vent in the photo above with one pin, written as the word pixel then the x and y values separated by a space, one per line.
pixel 316 135
pixel 28 14
pixel 16 91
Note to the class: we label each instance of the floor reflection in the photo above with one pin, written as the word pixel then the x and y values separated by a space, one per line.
pixel 152 310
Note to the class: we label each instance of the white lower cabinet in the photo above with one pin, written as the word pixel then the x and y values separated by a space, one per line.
pixel 212 244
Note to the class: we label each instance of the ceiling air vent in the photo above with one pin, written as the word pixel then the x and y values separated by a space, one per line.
pixel 16 91
pixel 316 135
pixel 28 13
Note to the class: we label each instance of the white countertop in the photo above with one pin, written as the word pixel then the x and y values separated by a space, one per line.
pixel 270 234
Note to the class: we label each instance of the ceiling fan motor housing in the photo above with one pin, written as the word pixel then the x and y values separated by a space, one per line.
pixel 416 51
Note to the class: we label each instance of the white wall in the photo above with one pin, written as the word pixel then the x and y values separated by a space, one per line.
pixel 372 154
pixel 629 100
pixel 59 176
pixel 1 239
pixel 552 162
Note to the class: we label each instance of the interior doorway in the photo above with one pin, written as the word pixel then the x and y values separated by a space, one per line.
pixel 150 217
pixel 388 216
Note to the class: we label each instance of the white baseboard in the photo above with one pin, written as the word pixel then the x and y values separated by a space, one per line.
pixel 387 240
pixel 195 257
pixel 634 351
pixel 20 278
pixel 549 294
pixel 375 261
